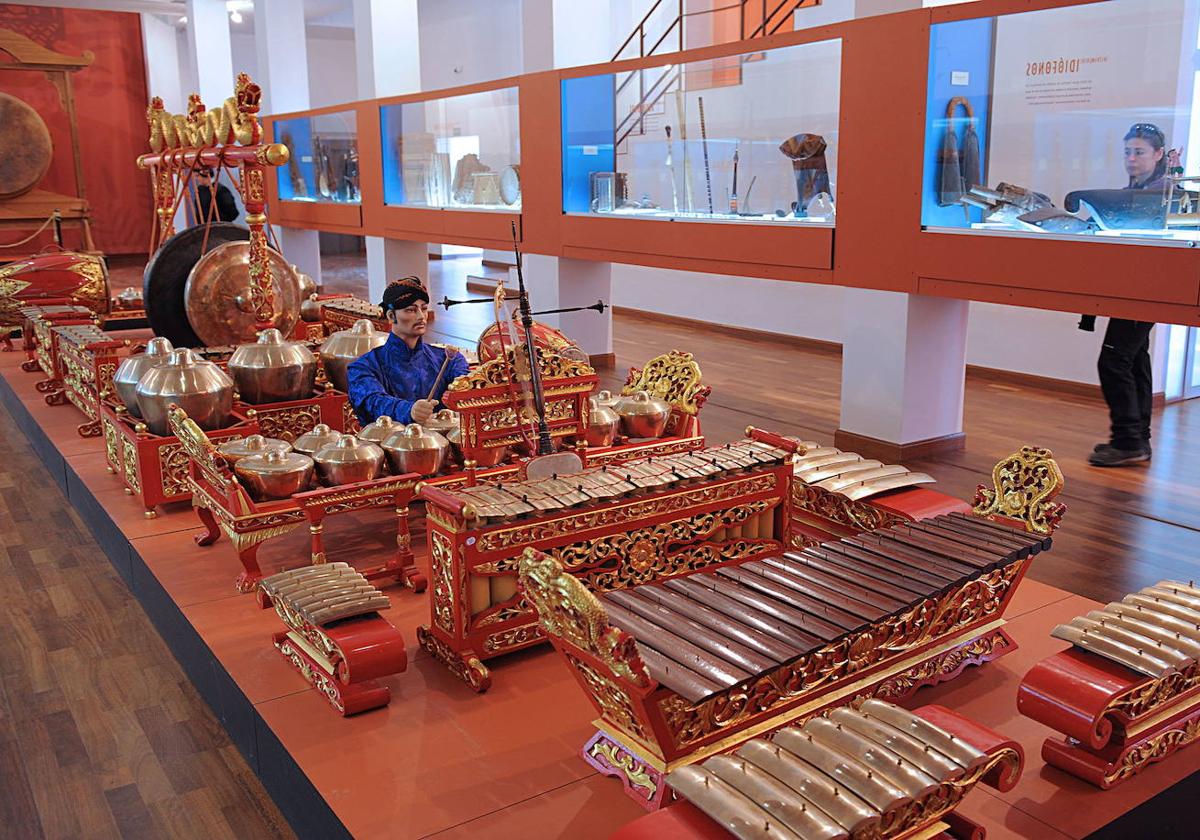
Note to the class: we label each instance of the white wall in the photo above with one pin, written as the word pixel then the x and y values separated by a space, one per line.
pixel 468 41
pixel 245 55
pixel 332 71
pixel 1015 338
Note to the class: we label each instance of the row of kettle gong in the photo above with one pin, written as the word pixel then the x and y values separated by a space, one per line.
pixel 274 469
pixel 268 371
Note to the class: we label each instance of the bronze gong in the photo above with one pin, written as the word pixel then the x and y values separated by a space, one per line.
pixel 217 295
pixel 25 147
pixel 166 275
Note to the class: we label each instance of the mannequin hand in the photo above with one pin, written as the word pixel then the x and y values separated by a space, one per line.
pixel 422 410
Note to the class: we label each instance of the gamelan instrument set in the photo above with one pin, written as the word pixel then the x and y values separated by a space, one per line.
pixel 684 667
pixel 336 637
pixel 867 772
pixel 737 614
pixel 613 526
pixel 1127 693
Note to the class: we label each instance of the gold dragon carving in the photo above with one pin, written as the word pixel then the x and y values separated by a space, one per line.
pixel 236 121
pixel 1023 488
pixel 568 611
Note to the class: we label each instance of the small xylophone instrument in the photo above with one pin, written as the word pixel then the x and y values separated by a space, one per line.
pixel 613 526
pixel 336 637
pixel 838 493
pixel 685 667
pixel 877 771
pixel 1127 694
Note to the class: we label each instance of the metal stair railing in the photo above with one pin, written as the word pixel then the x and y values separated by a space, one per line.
pixel 649 96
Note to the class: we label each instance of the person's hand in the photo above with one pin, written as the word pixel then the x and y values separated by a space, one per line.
pixel 422 410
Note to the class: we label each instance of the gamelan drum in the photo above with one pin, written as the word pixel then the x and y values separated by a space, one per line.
pixel 545 337
pixel 27 147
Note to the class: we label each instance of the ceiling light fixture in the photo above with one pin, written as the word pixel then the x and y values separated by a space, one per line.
pixel 235 16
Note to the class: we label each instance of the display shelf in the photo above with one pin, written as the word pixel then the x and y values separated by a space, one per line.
pixel 449 165
pixel 762 157
pixel 320 186
pixel 883 124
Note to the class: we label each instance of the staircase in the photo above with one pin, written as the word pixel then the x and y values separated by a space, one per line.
pixel 640 95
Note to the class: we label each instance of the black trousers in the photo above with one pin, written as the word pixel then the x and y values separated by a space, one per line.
pixel 1125 379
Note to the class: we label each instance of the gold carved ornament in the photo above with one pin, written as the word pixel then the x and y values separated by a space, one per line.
pixel 676 500
pixel 672 377
pixel 200 449
pixel 498 371
pixel 569 612
pixel 1149 695
pixel 835 507
pixel 932 619
pixel 1023 488
pixel 912 814
pixel 1154 749
pixel 236 121
pixel 634 771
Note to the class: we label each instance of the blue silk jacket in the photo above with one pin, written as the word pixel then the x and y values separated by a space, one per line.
pixel 390 378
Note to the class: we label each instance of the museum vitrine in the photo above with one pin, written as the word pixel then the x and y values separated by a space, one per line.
pixel 742 138
pixel 1067 122
pixel 324 158
pixel 459 152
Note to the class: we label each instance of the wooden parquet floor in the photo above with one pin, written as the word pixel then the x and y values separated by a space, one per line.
pixel 102 735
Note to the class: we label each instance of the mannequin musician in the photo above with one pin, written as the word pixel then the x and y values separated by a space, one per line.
pixel 404 378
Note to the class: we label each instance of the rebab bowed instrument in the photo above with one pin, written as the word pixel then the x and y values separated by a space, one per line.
pixel 524 371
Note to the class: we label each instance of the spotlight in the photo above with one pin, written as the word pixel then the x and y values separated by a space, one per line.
pixel 235 16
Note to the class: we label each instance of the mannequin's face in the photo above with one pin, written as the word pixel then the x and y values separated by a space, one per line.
pixel 1140 158
pixel 410 323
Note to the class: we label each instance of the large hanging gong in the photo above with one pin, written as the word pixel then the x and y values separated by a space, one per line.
pixel 166 276
pixel 217 295
pixel 25 147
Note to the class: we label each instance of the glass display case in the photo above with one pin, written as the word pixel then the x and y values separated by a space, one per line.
pixel 324 159
pixel 743 138
pixel 1070 122
pixel 458 152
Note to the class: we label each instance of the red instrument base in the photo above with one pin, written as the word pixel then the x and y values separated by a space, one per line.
pixel 1116 722
pixel 346 699
pixel 646 785
pixel 1109 766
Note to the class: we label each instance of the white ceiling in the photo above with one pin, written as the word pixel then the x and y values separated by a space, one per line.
pixel 336 13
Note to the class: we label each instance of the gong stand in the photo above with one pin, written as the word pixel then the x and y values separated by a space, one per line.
pixel 31 209
pixel 229 139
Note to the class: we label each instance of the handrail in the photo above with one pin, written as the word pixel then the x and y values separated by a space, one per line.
pixel 648 101
pixel 648 97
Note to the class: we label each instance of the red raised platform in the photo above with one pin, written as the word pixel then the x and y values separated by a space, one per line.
pixel 440 760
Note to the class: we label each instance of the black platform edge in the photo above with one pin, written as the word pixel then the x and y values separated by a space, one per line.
pixel 298 800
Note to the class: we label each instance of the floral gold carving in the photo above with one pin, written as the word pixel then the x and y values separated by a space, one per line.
pixel 673 377
pixel 517 536
pixel 852 513
pixel 1137 758
pixel 1023 488
pixel 637 773
pixel 441 552
pixel 498 371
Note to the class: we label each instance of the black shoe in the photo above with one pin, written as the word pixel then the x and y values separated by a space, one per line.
pixel 1110 457
pixel 1100 447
